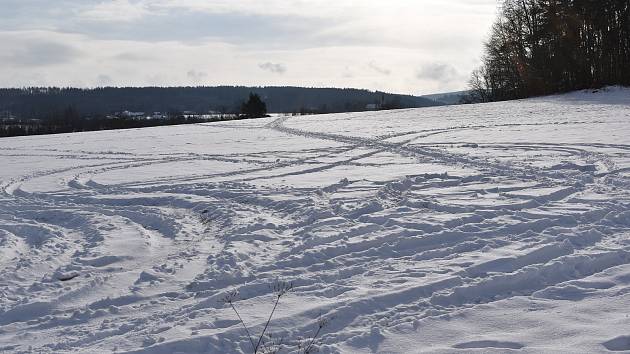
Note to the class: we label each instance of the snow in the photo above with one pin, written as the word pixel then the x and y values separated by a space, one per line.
pixel 491 228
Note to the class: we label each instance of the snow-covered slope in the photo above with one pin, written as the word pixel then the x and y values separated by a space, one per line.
pixel 486 228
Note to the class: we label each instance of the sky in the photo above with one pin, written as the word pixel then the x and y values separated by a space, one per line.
pixel 400 46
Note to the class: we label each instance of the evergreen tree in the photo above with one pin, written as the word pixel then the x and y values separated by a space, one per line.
pixel 254 107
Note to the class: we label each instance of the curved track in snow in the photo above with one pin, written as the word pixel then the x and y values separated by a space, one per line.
pixel 398 225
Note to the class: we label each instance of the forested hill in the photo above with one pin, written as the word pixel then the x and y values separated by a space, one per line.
pixel 41 103
pixel 540 47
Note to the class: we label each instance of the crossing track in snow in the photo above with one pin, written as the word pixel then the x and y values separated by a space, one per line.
pixel 398 225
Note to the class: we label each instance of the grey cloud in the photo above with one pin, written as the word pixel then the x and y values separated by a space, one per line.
pixel 40 14
pixel 274 68
pixel 184 24
pixel 379 69
pixel 179 24
pixel 196 76
pixel 270 31
pixel 38 52
pixel 104 80
pixel 437 72
pixel 129 56
pixel 188 24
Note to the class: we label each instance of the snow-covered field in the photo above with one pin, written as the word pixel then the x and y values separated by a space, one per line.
pixel 488 228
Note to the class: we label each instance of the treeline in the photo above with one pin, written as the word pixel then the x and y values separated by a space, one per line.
pixel 539 47
pixel 71 121
pixel 38 103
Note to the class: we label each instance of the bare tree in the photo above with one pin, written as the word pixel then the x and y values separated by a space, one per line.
pixel 539 47
pixel 265 342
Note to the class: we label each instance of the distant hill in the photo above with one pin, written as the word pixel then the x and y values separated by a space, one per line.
pixel 448 98
pixel 40 103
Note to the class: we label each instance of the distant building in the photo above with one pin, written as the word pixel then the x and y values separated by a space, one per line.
pixel 135 115
pixel 158 115
pixel 6 115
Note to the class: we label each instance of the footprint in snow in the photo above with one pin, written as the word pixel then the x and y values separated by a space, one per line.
pixel 489 344
pixel 619 344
